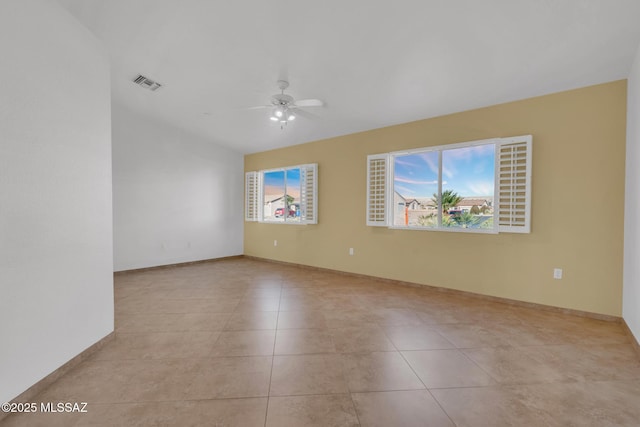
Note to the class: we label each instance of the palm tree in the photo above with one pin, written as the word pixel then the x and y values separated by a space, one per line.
pixel 449 200
pixel 289 202
pixel 466 220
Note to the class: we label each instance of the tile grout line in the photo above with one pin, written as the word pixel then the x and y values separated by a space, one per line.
pixel 273 356
pixel 420 379
pixel 355 408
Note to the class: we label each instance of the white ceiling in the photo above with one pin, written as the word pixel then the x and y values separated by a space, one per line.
pixel 375 63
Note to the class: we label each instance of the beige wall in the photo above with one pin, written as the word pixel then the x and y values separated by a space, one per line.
pixel 577 199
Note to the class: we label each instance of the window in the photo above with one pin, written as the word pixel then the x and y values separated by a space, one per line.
pixel 480 186
pixel 284 195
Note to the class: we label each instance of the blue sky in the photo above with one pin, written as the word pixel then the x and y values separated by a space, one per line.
pixel 469 171
pixel 274 183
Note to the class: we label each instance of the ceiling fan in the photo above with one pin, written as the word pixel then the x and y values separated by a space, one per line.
pixel 284 106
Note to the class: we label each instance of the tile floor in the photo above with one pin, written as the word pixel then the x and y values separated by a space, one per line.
pixel 247 343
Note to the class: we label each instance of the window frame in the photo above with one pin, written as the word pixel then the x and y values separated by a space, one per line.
pixel 521 178
pixel 308 204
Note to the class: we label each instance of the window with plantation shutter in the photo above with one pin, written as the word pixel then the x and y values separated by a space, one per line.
pixel 284 195
pixel 308 194
pixel 377 189
pixel 251 182
pixel 514 184
pixel 479 186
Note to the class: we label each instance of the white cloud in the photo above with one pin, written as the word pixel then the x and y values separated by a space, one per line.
pixel 404 190
pixel 431 162
pixel 481 189
pixel 399 161
pixel 414 181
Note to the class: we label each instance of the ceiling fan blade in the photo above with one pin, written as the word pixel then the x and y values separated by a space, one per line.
pixel 305 114
pixel 259 107
pixel 309 103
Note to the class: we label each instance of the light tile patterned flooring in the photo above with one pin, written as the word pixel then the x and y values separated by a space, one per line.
pixel 246 343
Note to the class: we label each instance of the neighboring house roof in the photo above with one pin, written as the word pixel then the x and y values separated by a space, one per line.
pixel 467 201
pixel 472 202
pixel 279 198
pixel 425 201
pixel 400 195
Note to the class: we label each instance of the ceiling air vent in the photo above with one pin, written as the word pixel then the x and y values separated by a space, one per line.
pixel 147 83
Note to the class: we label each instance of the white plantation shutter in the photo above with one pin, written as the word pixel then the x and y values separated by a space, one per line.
pixel 251 190
pixel 377 189
pixel 309 194
pixel 514 184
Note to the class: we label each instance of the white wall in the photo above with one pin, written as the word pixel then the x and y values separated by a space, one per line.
pixel 176 197
pixel 56 281
pixel 631 278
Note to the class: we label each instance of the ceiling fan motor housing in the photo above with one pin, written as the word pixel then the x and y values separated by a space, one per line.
pixel 283 84
pixel 281 99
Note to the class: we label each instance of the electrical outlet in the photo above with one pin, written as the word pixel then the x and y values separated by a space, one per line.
pixel 275 243
pixel 557 273
pixel 350 251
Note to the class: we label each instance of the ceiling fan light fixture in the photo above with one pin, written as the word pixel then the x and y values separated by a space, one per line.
pixel 284 108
